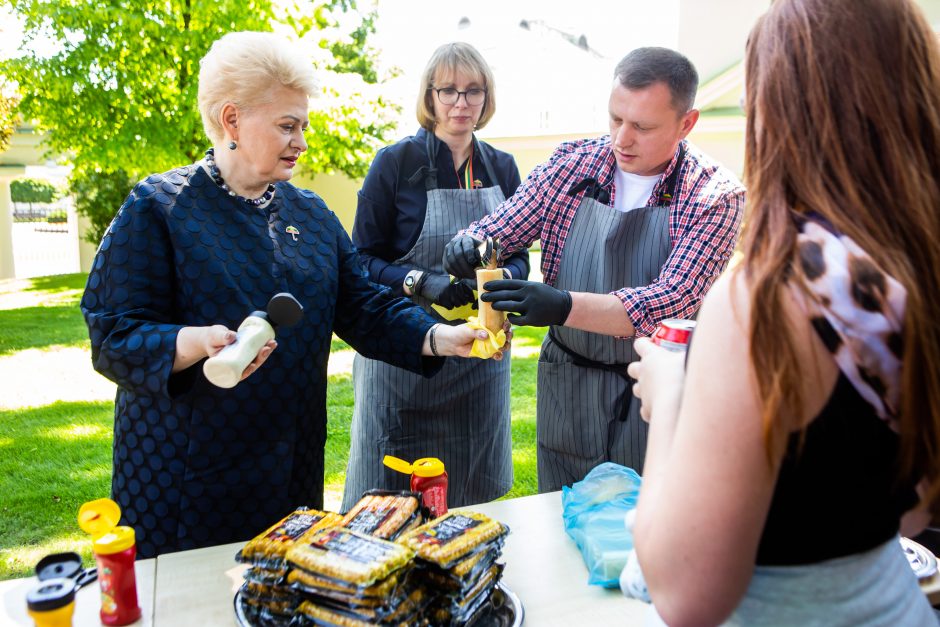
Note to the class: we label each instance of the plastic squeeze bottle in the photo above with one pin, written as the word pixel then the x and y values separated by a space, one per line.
pixel 427 477
pixel 225 368
pixel 52 602
pixel 115 550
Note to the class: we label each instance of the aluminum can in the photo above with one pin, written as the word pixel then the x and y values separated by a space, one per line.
pixel 674 334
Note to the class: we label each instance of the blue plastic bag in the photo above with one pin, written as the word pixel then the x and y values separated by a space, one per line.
pixel 593 510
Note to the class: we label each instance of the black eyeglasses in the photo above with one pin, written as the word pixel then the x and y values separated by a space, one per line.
pixel 448 95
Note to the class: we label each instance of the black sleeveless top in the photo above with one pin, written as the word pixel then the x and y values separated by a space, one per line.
pixel 837 492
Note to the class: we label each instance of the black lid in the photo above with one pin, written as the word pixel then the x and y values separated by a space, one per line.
pixel 51 594
pixel 284 310
pixel 58 565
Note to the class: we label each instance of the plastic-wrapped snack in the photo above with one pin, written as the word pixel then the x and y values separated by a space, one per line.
pixel 465 573
pixel 274 600
pixel 256 574
pixel 312 584
pixel 383 595
pixel 384 514
pixel 405 614
pixel 458 609
pixel 348 556
pixel 455 535
pixel 268 548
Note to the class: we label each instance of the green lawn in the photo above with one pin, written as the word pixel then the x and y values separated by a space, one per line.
pixel 55 443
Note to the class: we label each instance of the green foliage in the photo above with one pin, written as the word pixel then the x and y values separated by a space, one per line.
pixel 98 196
pixel 32 190
pixel 7 115
pixel 120 92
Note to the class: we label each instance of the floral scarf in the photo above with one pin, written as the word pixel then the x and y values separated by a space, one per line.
pixel 858 311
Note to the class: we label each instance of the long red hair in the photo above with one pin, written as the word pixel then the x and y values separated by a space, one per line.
pixel 843 119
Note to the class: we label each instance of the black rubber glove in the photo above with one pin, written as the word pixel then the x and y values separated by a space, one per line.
pixel 438 289
pixel 537 304
pixel 461 257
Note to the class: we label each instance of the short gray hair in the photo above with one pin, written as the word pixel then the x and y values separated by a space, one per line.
pixel 645 66
pixel 241 67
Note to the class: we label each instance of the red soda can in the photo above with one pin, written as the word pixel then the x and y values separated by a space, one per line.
pixel 674 335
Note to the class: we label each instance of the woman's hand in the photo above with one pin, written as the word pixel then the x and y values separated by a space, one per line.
pixel 193 344
pixel 457 341
pixel 659 376
pixel 262 357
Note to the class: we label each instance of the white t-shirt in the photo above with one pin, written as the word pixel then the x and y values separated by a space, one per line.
pixel 633 190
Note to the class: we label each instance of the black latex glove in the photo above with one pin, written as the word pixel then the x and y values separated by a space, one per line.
pixel 438 289
pixel 461 257
pixel 537 304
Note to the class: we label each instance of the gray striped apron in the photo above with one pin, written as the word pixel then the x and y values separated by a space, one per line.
pixel 461 415
pixel 585 411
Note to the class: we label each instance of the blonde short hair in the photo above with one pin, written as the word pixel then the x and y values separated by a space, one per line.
pixel 241 67
pixel 450 59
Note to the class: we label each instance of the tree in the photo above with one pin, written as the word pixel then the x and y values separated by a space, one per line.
pixel 32 190
pixel 7 111
pixel 120 92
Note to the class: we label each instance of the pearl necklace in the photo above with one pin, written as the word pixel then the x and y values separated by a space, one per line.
pixel 217 177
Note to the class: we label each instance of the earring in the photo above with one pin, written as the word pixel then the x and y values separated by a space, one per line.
pixel 232 145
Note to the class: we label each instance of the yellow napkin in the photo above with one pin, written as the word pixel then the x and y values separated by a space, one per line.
pixel 484 349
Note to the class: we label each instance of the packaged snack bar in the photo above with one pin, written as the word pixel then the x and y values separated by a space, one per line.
pixel 406 614
pixel 312 584
pixel 256 574
pixel 348 556
pixel 455 535
pixel 269 548
pixel 274 599
pixel 383 514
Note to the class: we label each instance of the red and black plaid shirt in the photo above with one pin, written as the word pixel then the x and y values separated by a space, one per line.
pixel 703 224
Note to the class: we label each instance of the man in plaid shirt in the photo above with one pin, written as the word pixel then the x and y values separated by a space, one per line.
pixel 634 226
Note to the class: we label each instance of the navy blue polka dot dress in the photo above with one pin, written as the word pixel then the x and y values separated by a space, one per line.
pixel 197 465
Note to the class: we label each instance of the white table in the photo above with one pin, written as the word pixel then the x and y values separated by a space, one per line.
pixel 543 567
pixel 87 600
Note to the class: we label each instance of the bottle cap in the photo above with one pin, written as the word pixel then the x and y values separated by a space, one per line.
pixel 59 565
pixel 51 594
pixel 424 467
pixel 100 519
pixel 284 310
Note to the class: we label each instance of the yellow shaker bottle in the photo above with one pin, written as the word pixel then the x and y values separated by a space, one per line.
pixel 51 603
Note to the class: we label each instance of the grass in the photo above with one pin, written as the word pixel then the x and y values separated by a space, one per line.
pixel 55 443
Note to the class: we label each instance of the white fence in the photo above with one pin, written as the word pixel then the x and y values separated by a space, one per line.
pixel 46 248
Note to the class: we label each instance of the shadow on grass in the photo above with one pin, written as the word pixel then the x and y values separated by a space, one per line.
pixel 52 459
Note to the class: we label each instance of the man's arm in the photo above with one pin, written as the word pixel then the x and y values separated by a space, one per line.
pixel 599 313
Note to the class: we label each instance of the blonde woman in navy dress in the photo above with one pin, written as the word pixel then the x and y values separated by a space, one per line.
pixel 418 193
pixel 192 252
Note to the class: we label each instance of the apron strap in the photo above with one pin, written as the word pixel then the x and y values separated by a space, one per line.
pixel 586 362
pixel 427 172
pixel 669 186
pixel 490 173
pixel 623 402
pixel 591 189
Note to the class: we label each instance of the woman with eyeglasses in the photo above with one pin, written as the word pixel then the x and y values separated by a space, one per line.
pixel 418 193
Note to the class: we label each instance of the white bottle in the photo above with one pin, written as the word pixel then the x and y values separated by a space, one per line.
pixel 225 368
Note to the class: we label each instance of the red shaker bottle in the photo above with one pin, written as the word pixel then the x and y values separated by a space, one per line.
pixel 115 550
pixel 427 477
